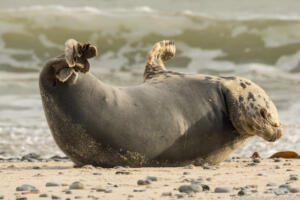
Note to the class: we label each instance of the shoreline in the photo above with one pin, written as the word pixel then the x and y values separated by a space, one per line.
pixel 238 178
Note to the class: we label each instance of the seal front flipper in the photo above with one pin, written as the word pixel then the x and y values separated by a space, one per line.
pixel 156 58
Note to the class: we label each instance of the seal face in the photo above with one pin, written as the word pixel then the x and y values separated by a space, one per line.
pixel 171 119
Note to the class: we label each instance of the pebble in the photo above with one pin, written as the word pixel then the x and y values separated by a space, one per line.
pixel 99 189
pixel 77 197
pixel 294 189
pixel 21 198
pixel 186 173
pixel 179 196
pixel 1 197
pixel 205 187
pixel 152 178
pixel 26 187
pixel 189 166
pixel 55 197
pixel 222 190
pixel 166 194
pixel 51 184
pixel 208 179
pixel 97 173
pixel 244 192
pixel 256 160
pixel 190 188
pixel 277 167
pixel 68 192
pixel 108 191
pixel 43 195
pixel 135 190
pixel 76 186
pixel 123 172
pixel 293 178
pixel 271 184
pixel 277 160
pixel 31 157
pixel 280 191
pixel 143 182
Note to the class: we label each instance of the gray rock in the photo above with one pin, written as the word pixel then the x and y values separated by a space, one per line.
pixel 205 187
pixel 256 160
pixel 108 191
pixel 179 196
pixel 55 197
pixel 1 197
pixel 76 186
pixel 43 195
pixel 21 198
pixel 294 189
pixel 135 190
pixel 123 172
pixel 280 191
pixel 151 178
pixel 190 188
pixel 166 194
pixel 293 178
pixel 26 187
pixel 78 197
pixel 97 173
pixel 51 184
pixel 277 167
pixel 143 182
pixel 186 173
pixel 222 190
pixel 208 179
pixel 189 166
pixel 271 184
pixel 277 160
pixel 244 192
pixel 31 157
pixel 68 192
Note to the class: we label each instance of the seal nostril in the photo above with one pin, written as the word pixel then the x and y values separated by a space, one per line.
pixel 263 113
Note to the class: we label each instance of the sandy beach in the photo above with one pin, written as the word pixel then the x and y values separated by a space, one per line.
pixel 237 178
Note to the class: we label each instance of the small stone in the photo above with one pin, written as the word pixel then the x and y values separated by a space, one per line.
pixel 143 182
pixel 293 178
pixel 36 167
pixel 76 186
pixel 108 191
pixel 78 197
pixel 31 157
pixel 205 187
pixel 166 194
pixel 277 167
pixel 256 160
pixel 135 190
pixel 21 198
pixel 99 189
pixel 189 166
pixel 55 197
pixel 208 179
pixel 277 160
pixel 97 173
pixel 280 191
pixel 190 188
pixel 186 173
pixel 68 192
pixel 251 164
pixel 1 197
pixel 123 172
pixel 271 184
pixel 43 195
pixel 179 196
pixel 151 178
pixel 26 187
pixel 260 174
pixel 244 192
pixel 294 189
pixel 51 184
pixel 222 190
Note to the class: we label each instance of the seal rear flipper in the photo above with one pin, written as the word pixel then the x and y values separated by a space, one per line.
pixel 64 74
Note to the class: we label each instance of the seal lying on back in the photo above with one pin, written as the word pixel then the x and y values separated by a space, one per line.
pixel 171 119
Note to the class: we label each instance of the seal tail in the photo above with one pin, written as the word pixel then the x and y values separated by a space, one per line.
pixel 251 110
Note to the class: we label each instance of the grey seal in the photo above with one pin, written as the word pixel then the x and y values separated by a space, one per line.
pixel 171 119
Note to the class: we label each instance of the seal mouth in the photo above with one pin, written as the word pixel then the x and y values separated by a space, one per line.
pixel 277 135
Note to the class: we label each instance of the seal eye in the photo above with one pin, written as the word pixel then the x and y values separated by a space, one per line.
pixel 263 113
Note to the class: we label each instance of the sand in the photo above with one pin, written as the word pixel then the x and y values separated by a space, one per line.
pixel 122 183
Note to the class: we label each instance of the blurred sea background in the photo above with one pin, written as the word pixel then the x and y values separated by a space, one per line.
pixel 258 39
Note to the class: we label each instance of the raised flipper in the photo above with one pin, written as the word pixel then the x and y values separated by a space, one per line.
pixel 251 110
pixel 75 59
pixel 157 57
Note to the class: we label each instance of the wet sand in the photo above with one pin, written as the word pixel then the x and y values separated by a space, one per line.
pixel 238 178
